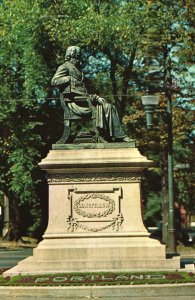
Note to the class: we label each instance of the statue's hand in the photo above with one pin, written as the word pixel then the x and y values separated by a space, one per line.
pixel 97 100
pixel 61 81
pixel 93 99
pixel 65 81
pixel 101 100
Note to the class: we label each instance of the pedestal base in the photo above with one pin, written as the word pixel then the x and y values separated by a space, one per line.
pixel 95 219
pixel 89 254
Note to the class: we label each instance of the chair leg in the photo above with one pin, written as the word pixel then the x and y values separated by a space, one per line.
pixel 66 133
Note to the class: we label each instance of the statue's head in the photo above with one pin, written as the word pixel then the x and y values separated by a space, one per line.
pixel 73 54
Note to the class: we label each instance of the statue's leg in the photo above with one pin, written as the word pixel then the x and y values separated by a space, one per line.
pixel 85 112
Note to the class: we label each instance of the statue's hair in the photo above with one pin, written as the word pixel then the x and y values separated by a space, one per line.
pixel 71 52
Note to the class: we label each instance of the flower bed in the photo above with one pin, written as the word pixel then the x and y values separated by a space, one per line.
pixel 99 279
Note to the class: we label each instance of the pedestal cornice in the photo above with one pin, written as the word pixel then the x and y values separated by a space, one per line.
pixel 104 159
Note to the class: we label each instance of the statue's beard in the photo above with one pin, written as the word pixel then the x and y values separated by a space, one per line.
pixel 75 62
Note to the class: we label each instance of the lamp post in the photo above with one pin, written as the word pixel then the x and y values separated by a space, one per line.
pixel 150 102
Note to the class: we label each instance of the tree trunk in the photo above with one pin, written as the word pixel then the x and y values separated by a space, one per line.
pixel 120 103
pixel 126 77
pixel 5 215
pixel 114 85
pixel 13 232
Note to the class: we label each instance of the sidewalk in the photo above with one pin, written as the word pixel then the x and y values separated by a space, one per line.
pixel 159 292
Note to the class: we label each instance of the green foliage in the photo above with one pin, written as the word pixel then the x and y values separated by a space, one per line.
pixel 153 209
pixel 134 37
pixel 25 75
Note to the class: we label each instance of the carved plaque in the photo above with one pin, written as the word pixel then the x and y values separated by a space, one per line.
pixel 95 205
pixel 95 210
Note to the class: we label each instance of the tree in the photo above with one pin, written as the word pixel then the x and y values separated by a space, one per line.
pixel 24 80
pixel 166 40
pixel 120 40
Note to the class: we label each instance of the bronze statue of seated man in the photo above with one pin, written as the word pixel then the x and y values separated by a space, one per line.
pixel 69 79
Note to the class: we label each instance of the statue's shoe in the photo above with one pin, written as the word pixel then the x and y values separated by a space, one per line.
pixel 126 139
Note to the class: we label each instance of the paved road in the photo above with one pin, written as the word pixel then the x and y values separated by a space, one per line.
pixel 10 258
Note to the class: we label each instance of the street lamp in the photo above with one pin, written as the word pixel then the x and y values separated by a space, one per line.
pixel 150 102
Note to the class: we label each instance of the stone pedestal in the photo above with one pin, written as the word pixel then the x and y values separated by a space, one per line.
pixel 95 220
